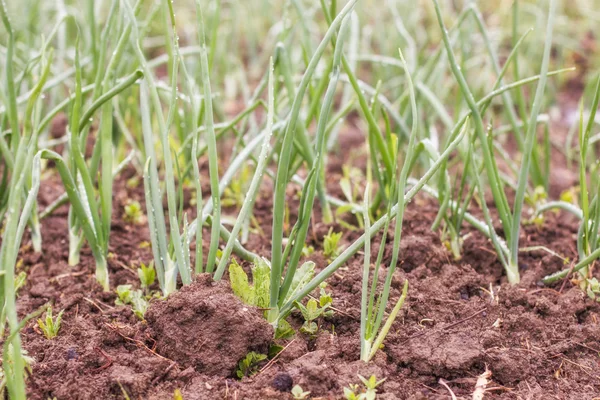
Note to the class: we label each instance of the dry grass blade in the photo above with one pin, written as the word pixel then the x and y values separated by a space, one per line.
pixel 480 386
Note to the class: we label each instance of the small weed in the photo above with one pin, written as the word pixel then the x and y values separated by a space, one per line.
pixel 248 366
pixel 593 289
pixel 20 281
pixel 133 182
pixel 331 244
pixel 235 193
pixel 314 310
pixel 256 294
pixel 134 298
pixel 50 325
pixel 535 200
pixel 133 213
pixel 299 394
pixel 307 250
pixel 147 275
pixel 368 392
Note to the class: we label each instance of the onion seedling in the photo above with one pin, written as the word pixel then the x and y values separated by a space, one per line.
pixel 588 241
pixel 375 227
pixel 8 150
pixel 510 220
pixel 279 257
pixel 25 178
pixel 78 181
pixel 371 337
pixel 171 252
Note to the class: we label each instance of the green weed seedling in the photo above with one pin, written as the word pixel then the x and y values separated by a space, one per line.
pixel 368 392
pixel 331 244
pixel 314 310
pixel 134 298
pixel 50 325
pixel 234 195
pixel 20 281
pixel 248 366
pixel 257 293
pixel 133 212
pixel 307 250
pixel 147 275
pixel 298 393
pixel 593 289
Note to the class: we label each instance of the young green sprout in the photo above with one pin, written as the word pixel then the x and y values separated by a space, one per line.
pixel 299 394
pixel 248 366
pixel 331 246
pixel 134 298
pixel 177 395
pixel 369 392
pixel 257 293
pixel 50 325
pixel 133 212
pixel 314 310
pixel 147 275
pixel 20 281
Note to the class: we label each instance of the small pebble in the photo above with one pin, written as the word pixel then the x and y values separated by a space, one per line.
pixel 283 382
pixel 72 354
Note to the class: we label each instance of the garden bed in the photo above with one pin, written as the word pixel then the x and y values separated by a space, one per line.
pixel 460 318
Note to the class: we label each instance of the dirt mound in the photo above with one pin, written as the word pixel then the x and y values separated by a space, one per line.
pixel 206 327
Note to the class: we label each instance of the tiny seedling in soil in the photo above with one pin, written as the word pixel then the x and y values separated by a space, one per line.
pixel 147 275
pixel 593 289
pixel 133 212
pixel 134 298
pixel 20 281
pixel 50 325
pixel 299 394
pixel 368 390
pixel 248 366
pixel 257 293
pixel 314 310
pixel 331 244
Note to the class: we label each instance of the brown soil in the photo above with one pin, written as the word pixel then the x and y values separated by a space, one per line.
pixel 538 342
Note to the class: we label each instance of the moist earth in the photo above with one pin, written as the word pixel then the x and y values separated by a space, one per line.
pixel 460 318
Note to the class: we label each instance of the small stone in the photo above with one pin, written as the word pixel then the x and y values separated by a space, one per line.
pixel 283 382
pixel 72 354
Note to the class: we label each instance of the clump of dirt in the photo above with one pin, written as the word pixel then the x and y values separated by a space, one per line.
pixel 204 326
